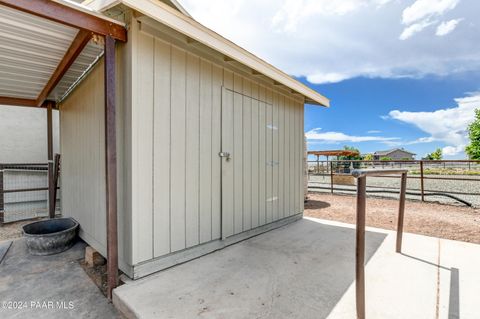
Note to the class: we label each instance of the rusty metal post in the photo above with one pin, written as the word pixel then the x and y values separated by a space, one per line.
pixel 422 187
pixel 56 174
pixel 401 212
pixel 111 166
pixel 360 247
pixel 331 177
pixel 51 204
pixel 2 198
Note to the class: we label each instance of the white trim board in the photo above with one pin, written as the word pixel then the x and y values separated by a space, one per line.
pixel 184 24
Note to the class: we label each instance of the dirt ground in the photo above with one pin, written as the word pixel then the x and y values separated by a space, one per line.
pixel 14 230
pixel 431 219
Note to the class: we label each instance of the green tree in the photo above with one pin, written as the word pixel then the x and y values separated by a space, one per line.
pixel 473 149
pixel 350 157
pixel 345 166
pixel 435 156
pixel 368 157
pixel 386 158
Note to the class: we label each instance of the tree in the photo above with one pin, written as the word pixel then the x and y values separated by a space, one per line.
pixel 386 158
pixel 368 157
pixel 346 165
pixel 350 157
pixel 473 149
pixel 435 156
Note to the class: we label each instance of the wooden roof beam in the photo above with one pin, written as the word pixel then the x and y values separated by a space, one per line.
pixel 68 15
pixel 14 101
pixel 70 56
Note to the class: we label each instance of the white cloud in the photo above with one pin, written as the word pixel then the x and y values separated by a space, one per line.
pixel 374 132
pixel 453 150
pixel 425 9
pixel 332 40
pixel 446 27
pixel 337 137
pixel 445 125
pixel 327 77
pixel 293 11
pixel 414 28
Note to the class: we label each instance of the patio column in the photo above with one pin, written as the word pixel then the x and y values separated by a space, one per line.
pixel 360 247
pixel 51 190
pixel 111 166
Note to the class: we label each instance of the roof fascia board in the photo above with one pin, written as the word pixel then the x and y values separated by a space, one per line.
pixel 191 28
pixel 101 5
pixel 180 8
pixel 76 16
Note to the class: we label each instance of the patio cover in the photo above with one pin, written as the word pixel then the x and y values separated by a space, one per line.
pixel 333 153
pixel 46 47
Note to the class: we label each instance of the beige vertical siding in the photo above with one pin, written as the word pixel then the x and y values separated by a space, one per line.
pixel 83 153
pixel 82 146
pixel 176 138
pixel 169 134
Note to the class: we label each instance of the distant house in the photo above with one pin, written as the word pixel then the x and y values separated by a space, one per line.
pixel 394 154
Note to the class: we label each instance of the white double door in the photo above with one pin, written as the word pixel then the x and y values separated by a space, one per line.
pixel 249 167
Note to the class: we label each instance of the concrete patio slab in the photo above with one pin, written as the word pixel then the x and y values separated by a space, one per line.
pixel 49 286
pixel 306 270
pixel 4 247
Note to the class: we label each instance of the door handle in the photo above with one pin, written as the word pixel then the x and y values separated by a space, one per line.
pixel 225 154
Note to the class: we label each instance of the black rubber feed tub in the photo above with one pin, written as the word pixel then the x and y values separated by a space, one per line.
pixel 48 237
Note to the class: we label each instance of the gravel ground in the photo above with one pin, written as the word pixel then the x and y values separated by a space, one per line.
pixel 413 185
pixel 431 219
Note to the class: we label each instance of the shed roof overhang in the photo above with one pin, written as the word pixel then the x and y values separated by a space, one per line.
pixel 46 46
pixel 186 25
pixel 333 153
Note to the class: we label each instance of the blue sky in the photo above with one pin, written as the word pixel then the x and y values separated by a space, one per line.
pixel 399 73
pixel 359 107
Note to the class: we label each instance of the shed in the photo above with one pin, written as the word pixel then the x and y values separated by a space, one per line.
pixel 198 144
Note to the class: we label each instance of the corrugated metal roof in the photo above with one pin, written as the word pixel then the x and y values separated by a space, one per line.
pixel 82 64
pixel 30 50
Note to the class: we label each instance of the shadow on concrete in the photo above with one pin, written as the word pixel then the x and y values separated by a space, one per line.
pixel 454 300
pixel 425 261
pixel 454 293
pixel 52 286
pixel 301 270
pixel 316 204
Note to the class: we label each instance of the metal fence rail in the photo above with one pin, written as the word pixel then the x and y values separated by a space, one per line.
pixel 361 176
pixel 24 190
pixel 445 180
